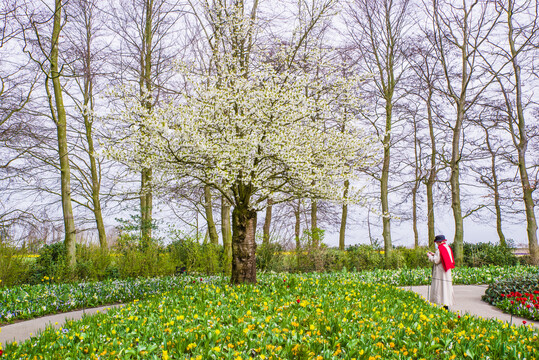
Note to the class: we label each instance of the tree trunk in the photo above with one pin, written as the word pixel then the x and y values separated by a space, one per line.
pixel 226 232
pixel 432 174
pixel 417 182
pixel 495 189
pixel 212 230
pixel 414 214
pixel 455 187
pixel 297 227
pixel 88 124
pixel 145 83
pixel 344 217
pixel 384 183
pixel 95 193
pixel 146 207
pixel 267 223
pixel 314 224
pixel 61 127
pixel 243 245
pixel 297 230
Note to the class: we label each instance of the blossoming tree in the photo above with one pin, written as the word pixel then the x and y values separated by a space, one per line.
pixel 252 130
pixel 250 137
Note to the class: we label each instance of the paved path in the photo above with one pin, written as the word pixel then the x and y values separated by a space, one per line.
pixel 467 301
pixel 23 330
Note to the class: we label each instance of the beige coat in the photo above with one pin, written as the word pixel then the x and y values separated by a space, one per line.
pixel 441 291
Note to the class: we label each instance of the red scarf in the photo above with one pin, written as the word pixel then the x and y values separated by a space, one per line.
pixel 448 260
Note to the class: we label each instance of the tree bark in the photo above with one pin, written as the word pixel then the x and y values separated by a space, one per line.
pixel 344 217
pixel 61 126
pixel 297 233
pixel 145 83
pixel 495 188
pixel 226 232
pixel 455 187
pixel 297 227
pixel 432 173
pixel 267 223
pixel 146 201
pixel 212 229
pixel 314 224
pixel 243 245
pixel 384 182
pixel 88 124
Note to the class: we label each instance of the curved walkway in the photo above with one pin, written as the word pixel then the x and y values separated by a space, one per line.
pixel 467 301
pixel 24 330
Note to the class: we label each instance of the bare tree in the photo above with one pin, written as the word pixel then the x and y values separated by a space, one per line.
pixel 146 29
pixel 425 64
pixel 377 29
pixel 521 27
pixel 44 49
pixel 84 58
pixel 460 31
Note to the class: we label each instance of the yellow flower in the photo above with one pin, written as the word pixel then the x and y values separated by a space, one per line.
pixel 165 355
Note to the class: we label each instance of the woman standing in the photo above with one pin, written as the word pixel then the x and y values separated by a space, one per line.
pixel 442 283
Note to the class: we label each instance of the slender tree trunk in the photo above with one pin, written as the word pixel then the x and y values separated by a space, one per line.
pixel 146 198
pixel 267 223
pixel 297 233
pixel 497 203
pixel 432 173
pixel 414 214
pixel 527 190
pixel 88 124
pixel 455 186
pixel 344 217
pixel 243 245
pixel 314 224
pixel 384 182
pixel 226 232
pixel 495 189
pixel 212 229
pixel 417 182
pixel 59 114
pixel 297 227
pixel 96 186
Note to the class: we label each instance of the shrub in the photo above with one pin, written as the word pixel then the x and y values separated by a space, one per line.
pixel 483 254
pixel 50 264
pixel 94 263
pixel 363 257
pixel 415 258
pixel 195 257
pixel 335 260
pixel 269 257
pixel 13 265
pixel 310 256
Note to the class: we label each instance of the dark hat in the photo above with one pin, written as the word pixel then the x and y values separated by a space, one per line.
pixel 439 238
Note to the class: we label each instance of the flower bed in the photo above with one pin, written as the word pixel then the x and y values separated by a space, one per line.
pixel 26 302
pixel 516 295
pixel 30 301
pixel 315 316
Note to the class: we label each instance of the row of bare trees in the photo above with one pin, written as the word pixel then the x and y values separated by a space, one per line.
pixel 449 92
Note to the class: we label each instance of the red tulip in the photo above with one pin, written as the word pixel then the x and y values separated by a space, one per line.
pixel 298 301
